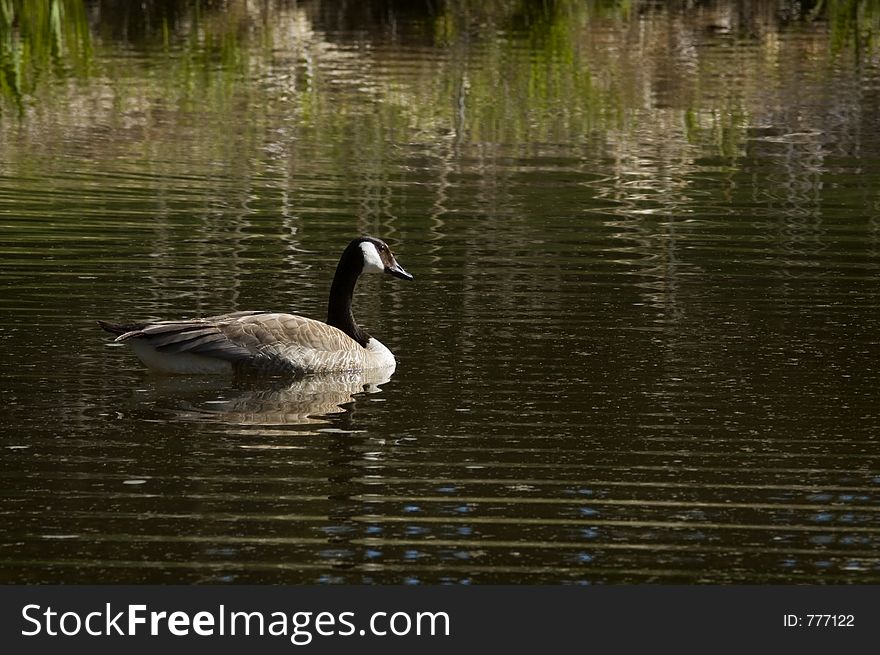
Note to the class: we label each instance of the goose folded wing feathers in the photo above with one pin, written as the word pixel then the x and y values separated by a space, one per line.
pixel 242 336
pixel 274 330
pixel 198 337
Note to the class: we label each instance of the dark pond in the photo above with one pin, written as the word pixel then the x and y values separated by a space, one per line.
pixel 643 342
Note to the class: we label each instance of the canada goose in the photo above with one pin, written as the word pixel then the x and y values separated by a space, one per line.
pixel 270 342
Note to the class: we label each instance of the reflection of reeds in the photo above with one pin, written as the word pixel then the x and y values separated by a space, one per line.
pixel 853 23
pixel 38 39
pixel 510 71
pixel 250 93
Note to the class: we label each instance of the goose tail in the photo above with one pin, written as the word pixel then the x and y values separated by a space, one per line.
pixel 122 330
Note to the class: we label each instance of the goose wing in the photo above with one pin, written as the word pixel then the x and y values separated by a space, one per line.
pixel 272 331
pixel 243 336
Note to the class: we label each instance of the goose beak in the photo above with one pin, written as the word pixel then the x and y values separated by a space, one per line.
pixel 397 271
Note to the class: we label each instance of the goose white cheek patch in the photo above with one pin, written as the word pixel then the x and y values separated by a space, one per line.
pixel 372 260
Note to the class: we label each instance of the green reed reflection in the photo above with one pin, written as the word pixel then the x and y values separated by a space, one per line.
pixel 507 71
pixel 41 39
pixel 854 23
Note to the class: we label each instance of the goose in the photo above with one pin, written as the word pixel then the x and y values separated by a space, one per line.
pixel 271 342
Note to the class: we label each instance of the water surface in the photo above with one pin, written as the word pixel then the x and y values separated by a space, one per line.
pixel 641 345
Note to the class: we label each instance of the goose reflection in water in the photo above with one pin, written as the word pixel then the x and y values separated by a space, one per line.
pixel 285 402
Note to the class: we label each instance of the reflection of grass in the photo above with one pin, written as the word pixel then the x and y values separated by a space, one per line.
pixel 522 69
pixel 500 71
pixel 39 38
pixel 854 23
pixel 42 40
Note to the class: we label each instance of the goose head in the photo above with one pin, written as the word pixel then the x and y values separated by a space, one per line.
pixel 378 258
pixel 362 255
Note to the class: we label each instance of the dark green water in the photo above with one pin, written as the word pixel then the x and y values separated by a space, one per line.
pixel 641 346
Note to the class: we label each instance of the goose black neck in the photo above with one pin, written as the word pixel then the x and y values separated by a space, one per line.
pixel 341 292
